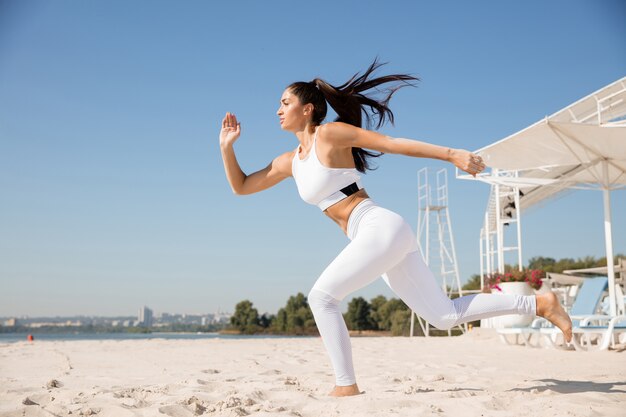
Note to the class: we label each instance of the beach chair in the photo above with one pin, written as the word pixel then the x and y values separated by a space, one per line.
pixel 584 307
pixel 621 300
pixel 601 329
pixel 530 336
pixel 587 325
pixel 521 335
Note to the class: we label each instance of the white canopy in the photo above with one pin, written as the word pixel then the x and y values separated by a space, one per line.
pixel 580 146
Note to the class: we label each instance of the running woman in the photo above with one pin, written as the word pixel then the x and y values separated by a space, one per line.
pixel 327 167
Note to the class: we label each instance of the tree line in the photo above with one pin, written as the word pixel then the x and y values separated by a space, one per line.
pixel 296 317
pixel 381 314
pixel 550 265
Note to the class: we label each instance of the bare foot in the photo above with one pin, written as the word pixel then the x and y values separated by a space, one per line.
pixel 344 391
pixel 548 307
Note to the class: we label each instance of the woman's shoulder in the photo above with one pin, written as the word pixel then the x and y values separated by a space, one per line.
pixel 336 133
pixel 284 161
pixel 334 126
pixel 287 156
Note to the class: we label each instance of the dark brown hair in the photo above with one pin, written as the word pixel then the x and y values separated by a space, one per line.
pixel 351 104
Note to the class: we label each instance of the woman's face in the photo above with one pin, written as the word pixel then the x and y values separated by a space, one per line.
pixel 293 115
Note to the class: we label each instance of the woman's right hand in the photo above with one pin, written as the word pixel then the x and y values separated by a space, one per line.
pixel 471 163
pixel 231 129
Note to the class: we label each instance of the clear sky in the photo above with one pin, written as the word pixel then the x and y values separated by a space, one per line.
pixel 112 191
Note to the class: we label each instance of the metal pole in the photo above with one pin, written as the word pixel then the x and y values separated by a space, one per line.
pixel 482 261
pixel 519 227
pixel 489 257
pixel 456 264
pixel 499 232
pixel 608 237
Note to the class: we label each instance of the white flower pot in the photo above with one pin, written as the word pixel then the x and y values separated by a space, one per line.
pixel 513 320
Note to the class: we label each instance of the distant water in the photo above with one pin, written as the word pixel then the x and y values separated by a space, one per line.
pixel 21 337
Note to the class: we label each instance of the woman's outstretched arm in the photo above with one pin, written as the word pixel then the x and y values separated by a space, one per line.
pixel 343 134
pixel 275 172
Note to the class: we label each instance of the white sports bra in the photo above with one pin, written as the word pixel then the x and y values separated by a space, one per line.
pixel 320 185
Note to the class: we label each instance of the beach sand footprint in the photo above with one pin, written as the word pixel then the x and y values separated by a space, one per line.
pixel 89 411
pixel 133 398
pixel 38 399
pixel 496 404
pixel 432 378
pixel 271 372
pixel 463 393
pixel 208 386
pixel 53 383
pixel 198 406
pixel 238 406
pixel 291 381
pixel 176 410
pixel 416 390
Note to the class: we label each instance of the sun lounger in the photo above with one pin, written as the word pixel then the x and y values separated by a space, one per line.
pixel 599 329
pixel 583 314
pixel 515 335
pixel 590 330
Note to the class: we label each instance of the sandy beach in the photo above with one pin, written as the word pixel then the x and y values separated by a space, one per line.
pixel 470 375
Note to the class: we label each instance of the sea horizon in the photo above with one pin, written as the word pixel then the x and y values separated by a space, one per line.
pixel 76 336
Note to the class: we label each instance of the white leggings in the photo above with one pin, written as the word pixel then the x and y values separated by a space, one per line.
pixel 382 243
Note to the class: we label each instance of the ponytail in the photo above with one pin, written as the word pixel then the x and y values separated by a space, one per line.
pixel 350 103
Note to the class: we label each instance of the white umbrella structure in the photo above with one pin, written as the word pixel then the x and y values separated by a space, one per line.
pixel 582 146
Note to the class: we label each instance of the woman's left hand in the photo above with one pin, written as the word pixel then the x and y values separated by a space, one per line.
pixel 467 161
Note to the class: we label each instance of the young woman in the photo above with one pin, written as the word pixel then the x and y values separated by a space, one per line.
pixel 326 166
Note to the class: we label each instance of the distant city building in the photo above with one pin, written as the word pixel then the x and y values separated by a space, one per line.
pixel 221 317
pixel 67 323
pixel 11 322
pixel 145 317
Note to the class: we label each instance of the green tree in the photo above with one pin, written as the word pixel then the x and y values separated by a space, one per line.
pixel 375 304
pixel 299 314
pixel 358 315
pixel 265 320
pixel 387 310
pixel 540 262
pixel 552 265
pixel 400 322
pixel 473 283
pixel 548 264
pixel 246 318
pixel 296 317
pixel 279 324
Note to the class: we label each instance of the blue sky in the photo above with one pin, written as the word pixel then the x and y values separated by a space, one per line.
pixel 112 191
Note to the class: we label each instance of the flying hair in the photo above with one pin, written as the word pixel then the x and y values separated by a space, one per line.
pixel 353 102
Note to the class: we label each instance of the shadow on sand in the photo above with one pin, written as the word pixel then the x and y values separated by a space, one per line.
pixel 572 387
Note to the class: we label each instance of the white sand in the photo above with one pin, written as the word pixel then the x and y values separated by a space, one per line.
pixel 472 375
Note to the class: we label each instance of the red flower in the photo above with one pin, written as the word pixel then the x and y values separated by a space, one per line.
pixel 531 276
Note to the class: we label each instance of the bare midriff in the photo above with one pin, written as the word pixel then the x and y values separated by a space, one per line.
pixel 340 212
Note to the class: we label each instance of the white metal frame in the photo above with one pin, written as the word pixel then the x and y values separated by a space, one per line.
pixel 604 108
pixel 442 260
pixel 502 211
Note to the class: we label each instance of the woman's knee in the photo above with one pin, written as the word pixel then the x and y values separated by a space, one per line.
pixel 321 301
pixel 443 323
pixel 445 318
